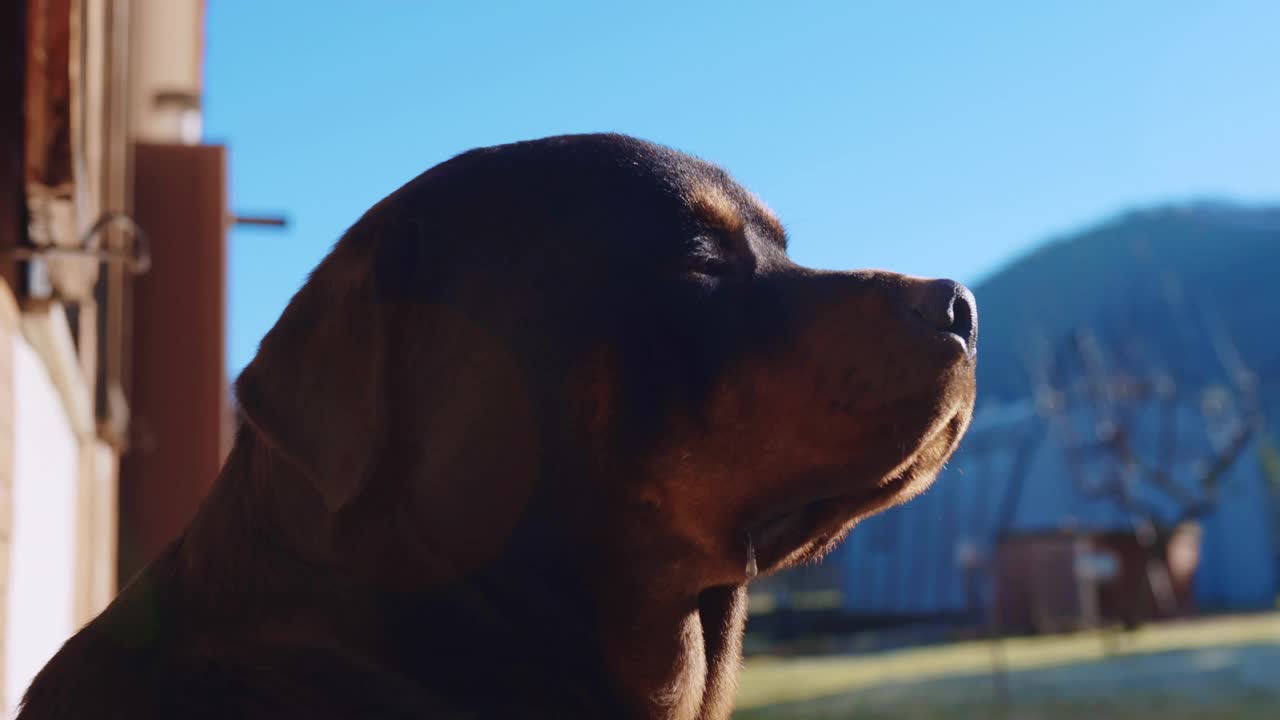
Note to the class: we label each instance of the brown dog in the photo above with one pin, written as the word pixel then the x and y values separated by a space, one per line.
pixel 519 444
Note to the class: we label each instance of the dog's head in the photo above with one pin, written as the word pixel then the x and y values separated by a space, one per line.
pixel 613 328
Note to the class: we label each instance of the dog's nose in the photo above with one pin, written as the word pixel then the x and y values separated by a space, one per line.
pixel 948 306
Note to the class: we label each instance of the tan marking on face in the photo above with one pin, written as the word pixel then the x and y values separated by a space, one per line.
pixel 768 217
pixel 713 206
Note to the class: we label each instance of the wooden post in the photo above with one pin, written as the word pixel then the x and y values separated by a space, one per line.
pixel 177 382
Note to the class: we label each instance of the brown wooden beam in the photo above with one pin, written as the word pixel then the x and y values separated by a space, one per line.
pixel 13 50
pixel 177 385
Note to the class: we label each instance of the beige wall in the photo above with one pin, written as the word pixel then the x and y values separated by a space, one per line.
pixel 57 494
pixel 167 50
pixel 8 329
pixel 45 493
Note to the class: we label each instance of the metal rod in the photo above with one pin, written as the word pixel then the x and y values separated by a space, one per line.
pixel 263 221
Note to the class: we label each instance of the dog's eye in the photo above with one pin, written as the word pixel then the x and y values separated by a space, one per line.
pixel 707 264
pixel 707 258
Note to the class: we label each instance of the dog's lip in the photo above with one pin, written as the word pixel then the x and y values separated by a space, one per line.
pixel 947 343
pixel 769 533
pixel 954 347
pixel 780 512
pixel 963 342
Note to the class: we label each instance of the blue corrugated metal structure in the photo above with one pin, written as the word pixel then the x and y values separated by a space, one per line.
pixel 904 561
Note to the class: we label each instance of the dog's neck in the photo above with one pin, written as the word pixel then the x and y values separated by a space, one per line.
pixel 676 656
pixel 535 625
pixel 257 555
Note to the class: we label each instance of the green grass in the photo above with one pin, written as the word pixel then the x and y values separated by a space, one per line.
pixel 1216 668
pixel 1252 705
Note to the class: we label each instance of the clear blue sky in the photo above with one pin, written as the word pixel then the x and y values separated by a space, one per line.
pixel 936 138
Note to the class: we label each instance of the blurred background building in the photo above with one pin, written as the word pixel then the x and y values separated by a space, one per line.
pixel 112 239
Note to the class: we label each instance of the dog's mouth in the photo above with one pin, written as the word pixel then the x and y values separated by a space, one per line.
pixel 795 534
pixel 807 532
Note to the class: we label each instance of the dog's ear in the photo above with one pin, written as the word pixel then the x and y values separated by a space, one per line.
pixel 314 392
pixel 394 368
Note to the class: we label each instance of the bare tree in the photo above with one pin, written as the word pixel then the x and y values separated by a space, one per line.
pixel 1096 389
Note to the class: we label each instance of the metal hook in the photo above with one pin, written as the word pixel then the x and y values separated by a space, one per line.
pixel 137 259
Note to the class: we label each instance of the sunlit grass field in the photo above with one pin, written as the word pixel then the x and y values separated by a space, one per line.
pixel 1221 668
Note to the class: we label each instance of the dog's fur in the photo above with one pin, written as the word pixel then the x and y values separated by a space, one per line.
pixel 516 447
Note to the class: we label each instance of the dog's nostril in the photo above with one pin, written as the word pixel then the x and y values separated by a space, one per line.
pixel 949 306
